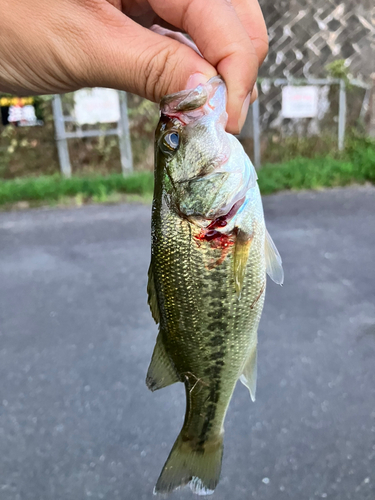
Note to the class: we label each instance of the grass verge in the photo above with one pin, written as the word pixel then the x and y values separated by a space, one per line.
pixel 358 166
pixel 55 188
pixel 305 173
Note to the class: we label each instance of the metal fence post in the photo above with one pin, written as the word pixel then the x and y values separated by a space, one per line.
pixel 371 107
pixel 342 115
pixel 124 136
pixel 256 133
pixel 62 143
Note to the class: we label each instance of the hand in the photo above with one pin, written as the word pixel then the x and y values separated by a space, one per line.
pixel 55 46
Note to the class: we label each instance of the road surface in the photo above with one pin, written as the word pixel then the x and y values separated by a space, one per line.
pixel 76 336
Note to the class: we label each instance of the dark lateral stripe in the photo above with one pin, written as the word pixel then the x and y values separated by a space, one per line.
pixel 217 340
pixel 218 333
pixel 218 325
pixel 217 355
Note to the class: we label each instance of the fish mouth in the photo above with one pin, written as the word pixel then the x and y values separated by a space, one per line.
pixel 189 105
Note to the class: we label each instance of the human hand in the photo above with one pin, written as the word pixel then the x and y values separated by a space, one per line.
pixel 50 46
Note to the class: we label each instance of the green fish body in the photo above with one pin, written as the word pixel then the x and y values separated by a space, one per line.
pixel 207 277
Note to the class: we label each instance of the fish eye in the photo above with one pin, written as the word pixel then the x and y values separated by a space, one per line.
pixel 171 142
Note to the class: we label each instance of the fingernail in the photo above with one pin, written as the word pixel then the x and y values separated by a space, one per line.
pixel 254 94
pixel 244 110
pixel 195 80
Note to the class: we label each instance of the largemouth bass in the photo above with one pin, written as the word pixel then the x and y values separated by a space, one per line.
pixel 207 277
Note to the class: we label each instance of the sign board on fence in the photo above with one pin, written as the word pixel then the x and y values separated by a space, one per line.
pixel 96 105
pixel 299 102
pixel 18 111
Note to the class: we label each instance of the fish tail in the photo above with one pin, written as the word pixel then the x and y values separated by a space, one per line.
pixel 189 464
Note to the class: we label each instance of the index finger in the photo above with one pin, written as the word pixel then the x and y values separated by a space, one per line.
pixel 224 42
pixel 251 17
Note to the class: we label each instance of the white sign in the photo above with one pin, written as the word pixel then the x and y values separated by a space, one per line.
pixel 96 105
pixel 23 115
pixel 300 102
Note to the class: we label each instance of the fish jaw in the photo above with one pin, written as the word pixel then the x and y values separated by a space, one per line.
pixel 188 106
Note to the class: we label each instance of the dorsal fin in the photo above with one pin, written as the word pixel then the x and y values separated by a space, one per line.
pixel 273 261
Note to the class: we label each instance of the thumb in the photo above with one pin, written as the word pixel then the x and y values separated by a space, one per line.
pixel 127 56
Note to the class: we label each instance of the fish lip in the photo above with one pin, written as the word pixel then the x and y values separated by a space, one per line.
pixel 173 105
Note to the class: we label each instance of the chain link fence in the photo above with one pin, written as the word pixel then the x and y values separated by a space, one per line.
pixel 306 35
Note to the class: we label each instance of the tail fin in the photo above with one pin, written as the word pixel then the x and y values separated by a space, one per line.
pixel 199 468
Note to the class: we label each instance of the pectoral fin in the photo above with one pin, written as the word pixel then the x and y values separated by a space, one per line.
pixel 273 261
pixel 240 257
pixel 152 298
pixel 161 371
pixel 249 375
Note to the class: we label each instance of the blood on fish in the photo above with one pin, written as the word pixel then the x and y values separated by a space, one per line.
pixel 219 222
pixel 223 220
pixel 217 241
pixel 212 234
pixel 215 237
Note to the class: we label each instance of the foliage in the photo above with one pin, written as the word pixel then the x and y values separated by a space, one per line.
pixel 361 151
pixel 339 69
pixel 281 149
pixel 143 118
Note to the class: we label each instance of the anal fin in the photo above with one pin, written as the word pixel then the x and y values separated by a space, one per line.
pixel 249 375
pixel 161 371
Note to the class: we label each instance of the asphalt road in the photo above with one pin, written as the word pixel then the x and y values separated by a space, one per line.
pixel 76 336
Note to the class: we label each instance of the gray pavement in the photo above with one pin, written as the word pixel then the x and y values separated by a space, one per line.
pixel 76 336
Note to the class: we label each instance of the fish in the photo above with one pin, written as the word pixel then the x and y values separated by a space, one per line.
pixel 210 253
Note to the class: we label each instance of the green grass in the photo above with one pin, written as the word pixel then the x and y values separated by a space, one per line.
pixel 54 188
pixel 356 166
pixel 304 173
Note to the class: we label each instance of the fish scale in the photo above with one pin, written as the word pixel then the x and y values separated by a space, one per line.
pixel 207 277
